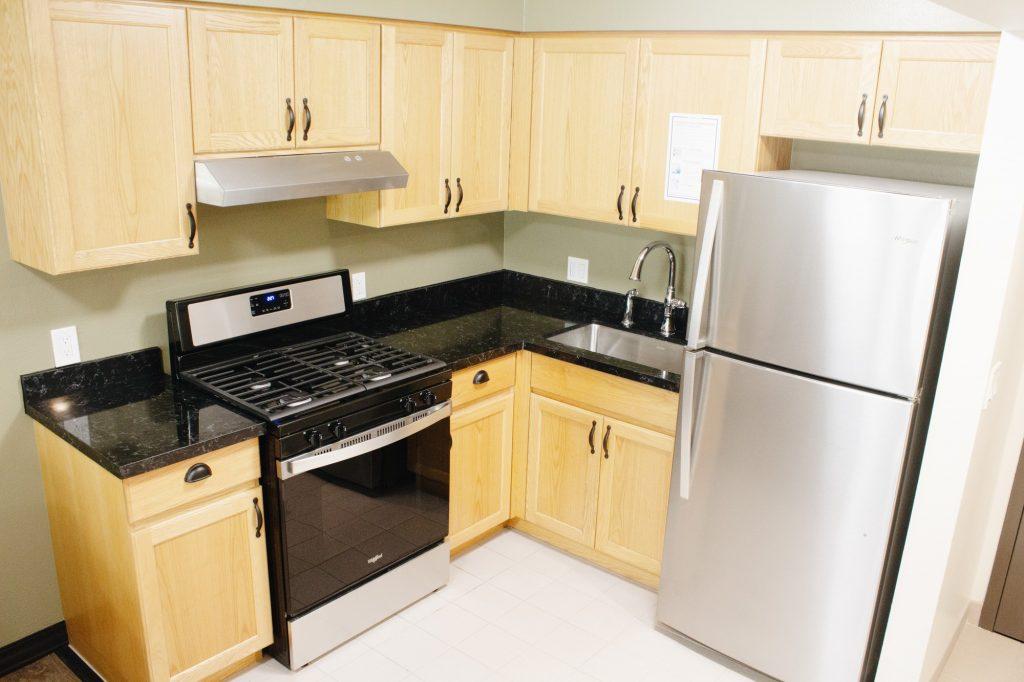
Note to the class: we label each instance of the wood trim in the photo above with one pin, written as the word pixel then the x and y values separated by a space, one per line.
pixel 520 433
pixel 502 373
pixel 522 111
pixel 612 564
pixel 464 547
pixel 31 648
pixel 1004 550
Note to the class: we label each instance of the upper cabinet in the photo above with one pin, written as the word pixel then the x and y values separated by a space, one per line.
pixel 446 108
pixel 265 81
pixel 581 145
pixel 715 76
pixel 96 158
pixel 933 94
pixel 820 88
pixel 919 92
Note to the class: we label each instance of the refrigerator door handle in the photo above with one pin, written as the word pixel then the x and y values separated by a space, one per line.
pixel 685 436
pixel 703 276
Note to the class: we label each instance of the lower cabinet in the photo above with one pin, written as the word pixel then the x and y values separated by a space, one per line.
pixel 203 579
pixel 598 481
pixel 481 467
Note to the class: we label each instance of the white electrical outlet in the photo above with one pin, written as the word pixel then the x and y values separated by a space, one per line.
pixel 578 270
pixel 358 286
pixel 65 346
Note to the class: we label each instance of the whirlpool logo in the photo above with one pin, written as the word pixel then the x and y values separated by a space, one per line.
pixel 375 558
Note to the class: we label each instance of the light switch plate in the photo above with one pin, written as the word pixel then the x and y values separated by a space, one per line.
pixel 578 270
pixel 65 346
pixel 358 286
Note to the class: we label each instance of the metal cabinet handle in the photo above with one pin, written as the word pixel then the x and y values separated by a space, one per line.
pixel 259 515
pixel 593 427
pixel 860 114
pixel 632 204
pixel 291 117
pixel 881 116
pixel 448 197
pixel 192 226
pixel 618 203
pixel 309 118
pixel 604 441
pixel 481 377
pixel 458 202
pixel 197 472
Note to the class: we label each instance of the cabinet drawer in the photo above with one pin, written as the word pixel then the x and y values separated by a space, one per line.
pixel 164 489
pixel 501 374
pixel 630 401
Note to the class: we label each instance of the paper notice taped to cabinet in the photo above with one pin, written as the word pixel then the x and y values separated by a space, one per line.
pixel 693 141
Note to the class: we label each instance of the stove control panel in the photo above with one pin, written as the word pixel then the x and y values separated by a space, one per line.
pixel 270 302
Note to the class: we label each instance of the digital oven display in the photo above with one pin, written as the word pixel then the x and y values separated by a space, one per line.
pixel 270 302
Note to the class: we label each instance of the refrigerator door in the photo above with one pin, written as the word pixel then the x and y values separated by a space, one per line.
pixel 837 282
pixel 776 556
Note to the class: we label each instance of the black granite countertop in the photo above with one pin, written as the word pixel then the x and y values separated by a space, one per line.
pixel 130 417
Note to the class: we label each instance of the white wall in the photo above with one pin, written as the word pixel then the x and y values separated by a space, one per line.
pixel 745 15
pixel 970 439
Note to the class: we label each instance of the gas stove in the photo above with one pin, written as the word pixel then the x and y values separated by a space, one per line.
pixel 355 459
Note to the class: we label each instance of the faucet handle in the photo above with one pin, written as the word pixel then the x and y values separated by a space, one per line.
pixel 627 316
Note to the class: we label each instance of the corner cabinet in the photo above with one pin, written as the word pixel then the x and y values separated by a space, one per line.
pixel 160 578
pixel 88 183
pixel 446 110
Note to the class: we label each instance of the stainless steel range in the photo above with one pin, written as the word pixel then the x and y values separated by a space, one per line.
pixel 355 459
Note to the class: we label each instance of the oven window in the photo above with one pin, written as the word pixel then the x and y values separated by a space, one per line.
pixel 349 521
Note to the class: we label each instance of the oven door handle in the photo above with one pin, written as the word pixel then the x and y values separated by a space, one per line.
pixel 361 443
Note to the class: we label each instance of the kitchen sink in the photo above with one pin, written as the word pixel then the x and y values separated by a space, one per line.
pixel 624 345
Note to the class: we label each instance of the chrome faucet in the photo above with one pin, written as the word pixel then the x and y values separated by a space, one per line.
pixel 671 302
pixel 627 317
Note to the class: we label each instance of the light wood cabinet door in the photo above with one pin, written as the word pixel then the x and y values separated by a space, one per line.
pixel 714 76
pixel 481 122
pixel 636 468
pixel 481 467
pixel 205 592
pixel 115 74
pixel 242 81
pixel 416 102
pixel 933 94
pixel 584 91
pixel 562 469
pixel 820 88
pixel 337 82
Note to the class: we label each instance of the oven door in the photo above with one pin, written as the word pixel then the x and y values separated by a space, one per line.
pixel 361 506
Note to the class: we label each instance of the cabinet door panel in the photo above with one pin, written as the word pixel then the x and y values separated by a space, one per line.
pixel 561 471
pixel 205 591
pixel 481 121
pixel 582 129
pixel 633 498
pixel 695 75
pixel 481 467
pixel 935 92
pixel 416 97
pixel 120 74
pixel 814 88
pixel 337 74
pixel 241 78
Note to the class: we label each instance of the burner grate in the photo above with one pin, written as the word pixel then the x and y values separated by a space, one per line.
pixel 283 381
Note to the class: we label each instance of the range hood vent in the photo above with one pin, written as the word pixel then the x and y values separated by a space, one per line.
pixel 257 179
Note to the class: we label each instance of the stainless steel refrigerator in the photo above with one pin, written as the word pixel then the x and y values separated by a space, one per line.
pixel 819 309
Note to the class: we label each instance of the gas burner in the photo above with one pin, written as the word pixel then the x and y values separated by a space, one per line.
pixel 294 400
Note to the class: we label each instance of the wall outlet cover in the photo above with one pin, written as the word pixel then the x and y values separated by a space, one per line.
pixel 578 270
pixel 358 286
pixel 65 346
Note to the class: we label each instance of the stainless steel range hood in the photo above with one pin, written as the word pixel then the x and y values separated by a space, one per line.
pixel 257 179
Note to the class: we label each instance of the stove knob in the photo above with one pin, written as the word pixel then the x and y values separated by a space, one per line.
pixel 428 398
pixel 339 430
pixel 314 438
pixel 409 404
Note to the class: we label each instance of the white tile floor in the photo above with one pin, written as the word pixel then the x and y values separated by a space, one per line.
pixel 516 609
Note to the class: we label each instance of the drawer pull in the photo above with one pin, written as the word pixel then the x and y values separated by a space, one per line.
pixel 458 203
pixel 860 114
pixel 291 118
pixel 308 116
pixel 259 515
pixel 191 227
pixel 197 472
pixel 881 116
pixel 604 443
pixel 632 204
pixel 448 195
pixel 618 203
pixel 481 377
pixel 593 427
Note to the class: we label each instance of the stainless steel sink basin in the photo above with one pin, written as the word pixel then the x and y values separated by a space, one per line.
pixel 624 345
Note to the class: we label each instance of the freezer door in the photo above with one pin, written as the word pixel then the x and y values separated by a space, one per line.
pixel 776 556
pixel 837 282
